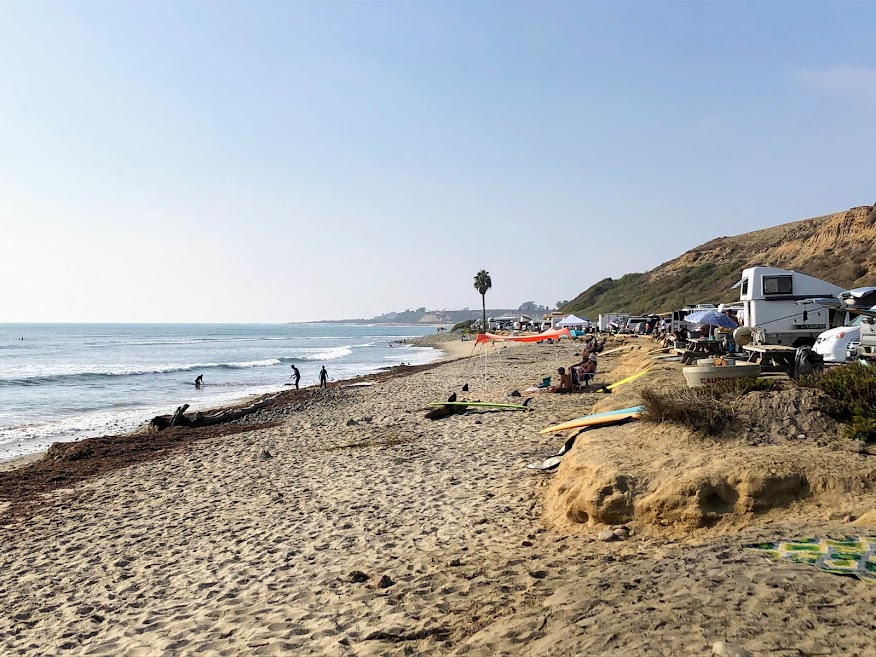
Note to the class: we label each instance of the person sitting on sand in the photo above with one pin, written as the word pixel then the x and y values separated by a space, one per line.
pixel 565 381
pixel 583 372
pixel 199 380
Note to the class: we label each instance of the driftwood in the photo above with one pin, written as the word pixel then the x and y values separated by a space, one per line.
pixel 180 419
pixel 178 415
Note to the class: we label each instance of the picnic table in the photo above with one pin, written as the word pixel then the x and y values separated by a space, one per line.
pixel 700 348
pixel 772 356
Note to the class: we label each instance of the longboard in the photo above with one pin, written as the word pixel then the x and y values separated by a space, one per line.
pixel 596 420
pixel 480 404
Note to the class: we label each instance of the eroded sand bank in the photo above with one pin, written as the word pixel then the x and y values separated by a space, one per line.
pixel 249 544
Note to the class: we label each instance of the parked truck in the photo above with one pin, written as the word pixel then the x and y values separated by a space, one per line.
pixel 778 309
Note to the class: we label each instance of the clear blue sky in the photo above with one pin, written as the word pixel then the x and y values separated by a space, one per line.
pixel 268 161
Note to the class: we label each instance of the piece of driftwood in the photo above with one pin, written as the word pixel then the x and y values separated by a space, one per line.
pixel 180 419
pixel 178 415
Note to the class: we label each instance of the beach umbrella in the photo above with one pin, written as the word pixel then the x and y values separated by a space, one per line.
pixel 711 317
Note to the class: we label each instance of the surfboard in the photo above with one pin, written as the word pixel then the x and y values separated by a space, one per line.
pixel 479 404
pixel 628 379
pixel 596 420
pixel 616 349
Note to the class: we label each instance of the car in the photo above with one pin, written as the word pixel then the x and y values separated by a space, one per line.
pixel 833 344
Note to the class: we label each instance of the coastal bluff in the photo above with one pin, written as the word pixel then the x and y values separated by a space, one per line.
pixel 840 248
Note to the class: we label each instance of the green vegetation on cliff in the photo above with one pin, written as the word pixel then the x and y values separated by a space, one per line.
pixel 840 248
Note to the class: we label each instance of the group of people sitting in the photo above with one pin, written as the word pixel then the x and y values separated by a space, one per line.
pixel 580 374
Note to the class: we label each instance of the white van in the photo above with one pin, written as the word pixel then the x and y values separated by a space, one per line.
pixel 833 344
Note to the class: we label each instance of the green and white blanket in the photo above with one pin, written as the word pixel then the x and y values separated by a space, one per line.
pixel 845 556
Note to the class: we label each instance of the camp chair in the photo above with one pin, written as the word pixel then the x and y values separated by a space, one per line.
pixel 580 378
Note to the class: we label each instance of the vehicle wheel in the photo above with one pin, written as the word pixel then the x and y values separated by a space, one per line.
pixel 804 342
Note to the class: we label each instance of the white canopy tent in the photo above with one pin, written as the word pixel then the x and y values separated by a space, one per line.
pixel 573 320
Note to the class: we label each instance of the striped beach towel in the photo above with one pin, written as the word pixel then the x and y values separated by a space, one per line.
pixel 852 555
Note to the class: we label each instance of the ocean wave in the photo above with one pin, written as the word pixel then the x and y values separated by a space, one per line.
pixel 73 377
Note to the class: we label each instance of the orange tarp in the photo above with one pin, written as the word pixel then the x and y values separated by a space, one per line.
pixel 556 334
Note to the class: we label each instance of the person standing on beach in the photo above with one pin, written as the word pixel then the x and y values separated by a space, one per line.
pixel 323 378
pixel 296 376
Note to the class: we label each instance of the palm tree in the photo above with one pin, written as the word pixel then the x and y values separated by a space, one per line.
pixel 482 283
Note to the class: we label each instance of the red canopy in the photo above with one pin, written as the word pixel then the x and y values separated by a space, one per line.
pixel 555 334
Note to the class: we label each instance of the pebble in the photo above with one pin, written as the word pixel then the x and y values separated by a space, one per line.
pixel 455 562
pixel 357 577
pixel 382 582
pixel 723 649
pixel 538 574
pixel 351 422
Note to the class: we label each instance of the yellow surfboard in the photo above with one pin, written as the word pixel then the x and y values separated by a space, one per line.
pixel 628 379
pixel 593 421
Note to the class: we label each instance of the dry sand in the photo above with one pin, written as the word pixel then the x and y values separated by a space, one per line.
pixel 245 545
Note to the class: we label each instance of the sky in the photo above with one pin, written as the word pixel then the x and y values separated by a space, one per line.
pixel 291 161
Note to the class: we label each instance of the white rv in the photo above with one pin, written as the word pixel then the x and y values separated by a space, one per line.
pixel 769 299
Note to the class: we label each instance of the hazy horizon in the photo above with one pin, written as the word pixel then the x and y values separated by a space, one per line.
pixel 224 163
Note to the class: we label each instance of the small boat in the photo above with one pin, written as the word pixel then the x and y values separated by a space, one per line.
pixel 706 373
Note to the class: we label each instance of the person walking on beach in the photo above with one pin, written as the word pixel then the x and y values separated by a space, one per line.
pixel 296 376
pixel 323 378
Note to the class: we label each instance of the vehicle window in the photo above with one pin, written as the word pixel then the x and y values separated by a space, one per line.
pixel 856 321
pixel 777 285
pixel 745 286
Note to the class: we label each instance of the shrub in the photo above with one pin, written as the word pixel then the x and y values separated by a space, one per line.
pixel 862 428
pixel 700 409
pixel 853 390
pixel 708 410
pixel 740 387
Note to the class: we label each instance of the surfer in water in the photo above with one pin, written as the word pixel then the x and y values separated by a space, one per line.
pixel 323 378
pixel 199 381
pixel 296 376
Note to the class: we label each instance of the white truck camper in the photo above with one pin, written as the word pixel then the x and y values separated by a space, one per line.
pixel 771 308
pixel 605 319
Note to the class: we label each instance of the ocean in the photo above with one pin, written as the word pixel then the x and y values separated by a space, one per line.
pixel 62 382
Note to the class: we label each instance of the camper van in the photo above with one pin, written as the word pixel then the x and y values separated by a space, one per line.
pixel 769 297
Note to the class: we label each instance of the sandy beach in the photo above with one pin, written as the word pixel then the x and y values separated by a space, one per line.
pixel 350 524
